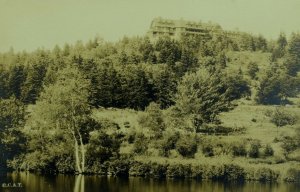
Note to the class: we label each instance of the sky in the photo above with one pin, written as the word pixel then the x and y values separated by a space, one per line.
pixel 30 24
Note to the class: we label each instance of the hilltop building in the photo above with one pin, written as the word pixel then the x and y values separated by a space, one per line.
pixel 176 28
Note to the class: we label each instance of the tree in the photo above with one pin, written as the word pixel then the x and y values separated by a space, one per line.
pixel 275 86
pixel 292 61
pixel 280 47
pixel 202 96
pixel 61 109
pixel 169 51
pixel 11 119
pixel 280 118
pixel 153 120
pixel 33 84
pixel 165 84
pixel 187 145
pixel 252 69
pixel 136 87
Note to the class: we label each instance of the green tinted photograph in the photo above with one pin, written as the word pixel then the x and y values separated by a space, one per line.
pixel 149 96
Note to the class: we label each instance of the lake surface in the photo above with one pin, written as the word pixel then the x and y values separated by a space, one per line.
pixel 70 183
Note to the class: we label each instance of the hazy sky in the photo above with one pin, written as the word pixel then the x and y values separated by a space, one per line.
pixel 29 24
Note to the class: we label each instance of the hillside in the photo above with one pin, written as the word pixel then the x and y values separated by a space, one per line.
pixel 223 106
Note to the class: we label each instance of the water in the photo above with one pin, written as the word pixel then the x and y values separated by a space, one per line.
pixel 70 183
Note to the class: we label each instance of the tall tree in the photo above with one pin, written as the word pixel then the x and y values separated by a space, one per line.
pixel 203 95
pixel 62 107
pixel 292 62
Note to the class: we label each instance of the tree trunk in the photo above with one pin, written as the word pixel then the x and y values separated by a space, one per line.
pixel 82 154
pixel 77 157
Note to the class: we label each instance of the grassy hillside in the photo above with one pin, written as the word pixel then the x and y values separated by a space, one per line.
pixel 248 116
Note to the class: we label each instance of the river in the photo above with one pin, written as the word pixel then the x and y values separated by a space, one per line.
pixel 19 182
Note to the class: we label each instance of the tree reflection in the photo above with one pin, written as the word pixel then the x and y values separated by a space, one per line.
pixel 79 183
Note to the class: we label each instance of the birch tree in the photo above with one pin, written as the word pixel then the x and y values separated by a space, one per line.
pixel 60 110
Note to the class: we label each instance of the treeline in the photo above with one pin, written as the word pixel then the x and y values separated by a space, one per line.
pixel 136 65
pixel 47 96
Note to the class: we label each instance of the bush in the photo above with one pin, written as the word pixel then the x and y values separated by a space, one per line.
pixel 268 151
pixel 187 146
pixel 140 145
pixel 119 167
pixel 281 118
pixel 234 172
pixel 289 144
pixel 130 137
pixel 153 119
pixel 98 168
pixel 238 149
pixel 158 170
pixel 292 175
pixel 198 171
pixel 252 69
pixel 266 174
pixel 254 149
pixel 214 172
pixel 139 169
pixel 208 150
pixel 179 171
pixel 102 146
pixel 168 143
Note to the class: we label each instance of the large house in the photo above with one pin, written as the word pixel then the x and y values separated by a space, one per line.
pixel 176 28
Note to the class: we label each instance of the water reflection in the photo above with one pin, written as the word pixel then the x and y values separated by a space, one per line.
pixel 81 183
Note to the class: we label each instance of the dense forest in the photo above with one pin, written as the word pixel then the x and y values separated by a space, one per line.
pixel 153 108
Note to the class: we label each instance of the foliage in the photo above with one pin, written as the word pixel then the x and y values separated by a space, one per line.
pixel 292 60
pixel 153 120
pixel 102 147
pixel 238 149
pixel 203 95
pixel 252 69
pixel 168 143
pixel 57 116
pixel 140 145
pixel 12 113
pixel 275 86
pixel 281 117
pixel 187 145
pixel 268 151
pixel 254 149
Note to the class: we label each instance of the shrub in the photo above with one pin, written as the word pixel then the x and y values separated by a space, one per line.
pixel 281 118
pixel 179 171
pixel 119 167
pixel 266 174
pixel 158 170
pixel 153 119
pixel 168 143
pixel 252 69
pixel 102 146
pixel 214 172
pixel 238 149
pixel 131 138
pixel 139 169
pixel 198 171
pixel 254 149
pixel 289 144
pixel 268 151
pixel 208 150
pixel 140 145
pixel 292 175
pixel 187 145
pixel 234 172
pixel 98 168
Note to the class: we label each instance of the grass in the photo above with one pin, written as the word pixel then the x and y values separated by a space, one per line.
pixel 246 114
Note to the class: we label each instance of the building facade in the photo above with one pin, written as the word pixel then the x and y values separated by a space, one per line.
pixel 176 28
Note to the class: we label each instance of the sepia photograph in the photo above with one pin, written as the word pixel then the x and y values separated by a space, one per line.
pixel 149 96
